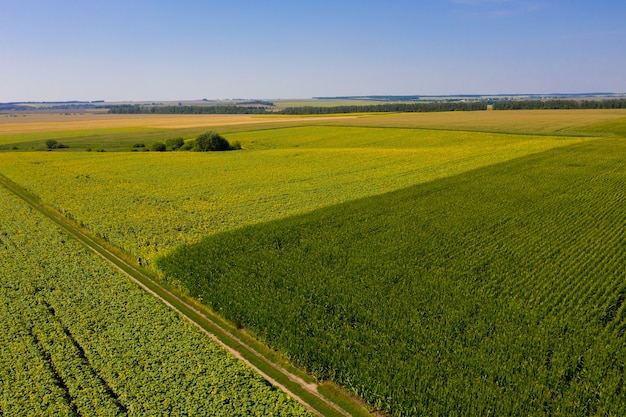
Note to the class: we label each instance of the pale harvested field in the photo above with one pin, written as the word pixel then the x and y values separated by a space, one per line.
pixel 567 122
pixel 48 122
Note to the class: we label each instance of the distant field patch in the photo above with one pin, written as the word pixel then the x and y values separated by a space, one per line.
pixel 35 137
pixel 611 127
pixel 545 122
pixel 47 122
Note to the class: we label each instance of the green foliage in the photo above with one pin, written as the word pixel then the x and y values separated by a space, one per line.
pixel 211 141
pixel 174 143
pixel 158 147
pixel 53 144
pixel 559 104
pixel 187 146
pixel 261 107
pixel 389 107
pixel 79 338
pixel 216 109
pixel 495 292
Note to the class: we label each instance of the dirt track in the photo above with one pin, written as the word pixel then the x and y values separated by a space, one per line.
pixel 305 393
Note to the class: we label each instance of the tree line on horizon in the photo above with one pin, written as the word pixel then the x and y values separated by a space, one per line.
pixel 559 104
pixel 389 107
pixel 357 108
pixel 373 108
pixel 227 109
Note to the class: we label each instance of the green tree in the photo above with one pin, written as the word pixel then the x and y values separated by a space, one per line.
pixel 53 144
pixel 158 147
pixel 174 143
pixel 211 141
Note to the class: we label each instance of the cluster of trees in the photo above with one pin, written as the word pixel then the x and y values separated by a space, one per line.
pixel 47 105
pixel 206 142
pixel 389 107
pixel 261 107
pixel 219 109
pixel 559 104
pixel 375 97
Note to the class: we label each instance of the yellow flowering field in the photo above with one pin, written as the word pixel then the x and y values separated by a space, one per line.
pixel 150 202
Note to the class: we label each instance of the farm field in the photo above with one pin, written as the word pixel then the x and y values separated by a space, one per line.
pixel 540 122
pixel 149 202
pixel 114 132
pixel 498 291
pixel 54 122
pixel 480 251
pixel 78 338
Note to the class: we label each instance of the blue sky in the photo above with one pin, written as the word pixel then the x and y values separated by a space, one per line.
pixel 177 50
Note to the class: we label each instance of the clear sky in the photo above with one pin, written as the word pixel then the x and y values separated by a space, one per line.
pixel 57 50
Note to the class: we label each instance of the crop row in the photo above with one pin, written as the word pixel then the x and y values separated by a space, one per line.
pixel 500 291
pixel 78 338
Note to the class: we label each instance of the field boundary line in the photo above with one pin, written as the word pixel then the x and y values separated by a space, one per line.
pixel 210 327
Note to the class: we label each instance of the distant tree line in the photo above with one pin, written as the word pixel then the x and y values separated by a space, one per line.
pixel 13 106
pixel 45 105
pixel 263 109
pixel 256 102
pixel 226 109
pixel 389 107
pixel 559 104
pixel 376 98
pixel 260 107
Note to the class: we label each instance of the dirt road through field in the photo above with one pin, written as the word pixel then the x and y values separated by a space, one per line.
pixel 305 393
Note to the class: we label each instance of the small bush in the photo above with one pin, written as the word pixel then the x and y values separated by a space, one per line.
pixel 211 141
pixel 158 147
pixel 175 143
pixel 187 146
pixel 139 145
pixel 53 144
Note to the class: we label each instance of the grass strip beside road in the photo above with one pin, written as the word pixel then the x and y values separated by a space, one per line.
pixel 305 393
